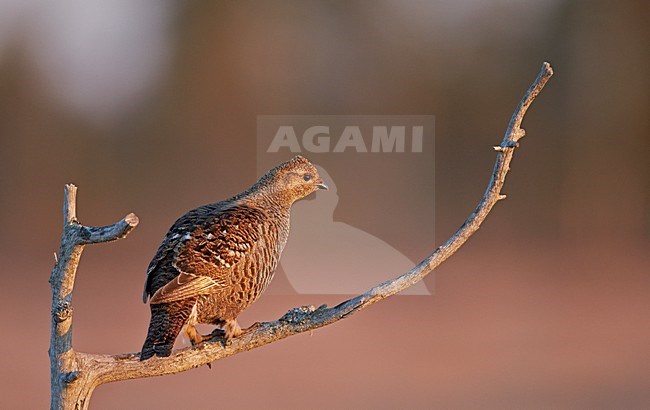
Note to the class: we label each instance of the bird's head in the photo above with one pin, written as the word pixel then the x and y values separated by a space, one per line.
pixel 292 180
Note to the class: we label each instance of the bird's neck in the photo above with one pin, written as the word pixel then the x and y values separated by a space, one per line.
pixel 268 198
pixel 279 206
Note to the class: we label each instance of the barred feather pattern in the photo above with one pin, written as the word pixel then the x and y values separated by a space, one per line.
pixel 166 322
pixel 219 258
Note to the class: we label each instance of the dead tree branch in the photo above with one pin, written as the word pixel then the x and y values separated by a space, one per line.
pixel 65 368
pixel 75 375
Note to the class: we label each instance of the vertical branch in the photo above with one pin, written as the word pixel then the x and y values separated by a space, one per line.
pixel 65 371
pixel 69 204
pixel 63 366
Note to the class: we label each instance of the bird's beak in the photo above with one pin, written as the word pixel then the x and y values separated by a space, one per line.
pixel 321 185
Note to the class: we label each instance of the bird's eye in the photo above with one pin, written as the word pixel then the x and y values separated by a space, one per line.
pixel 306 177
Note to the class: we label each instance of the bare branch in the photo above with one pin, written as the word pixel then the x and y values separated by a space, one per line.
pixel 64 363
pixel 94 234
pixel 75 375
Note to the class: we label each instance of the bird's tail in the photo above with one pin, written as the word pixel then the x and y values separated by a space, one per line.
pixel 167 320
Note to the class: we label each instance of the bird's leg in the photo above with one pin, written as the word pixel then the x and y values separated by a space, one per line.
pixel 232 329
pixel 194 336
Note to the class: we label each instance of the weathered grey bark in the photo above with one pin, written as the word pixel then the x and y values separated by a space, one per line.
pixel 74 375
pixel 69 377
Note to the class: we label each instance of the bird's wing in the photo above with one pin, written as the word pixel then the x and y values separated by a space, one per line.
pixel 205 258
pixel 160 271
pixel 185 286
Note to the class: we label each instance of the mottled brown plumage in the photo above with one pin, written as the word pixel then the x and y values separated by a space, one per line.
pixel 218 259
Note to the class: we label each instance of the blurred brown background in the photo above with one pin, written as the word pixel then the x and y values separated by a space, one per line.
pixel 151 107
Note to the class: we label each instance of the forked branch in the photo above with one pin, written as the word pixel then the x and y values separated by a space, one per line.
pixel 74 375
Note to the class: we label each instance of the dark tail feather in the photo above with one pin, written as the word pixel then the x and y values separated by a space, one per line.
pixel 167 320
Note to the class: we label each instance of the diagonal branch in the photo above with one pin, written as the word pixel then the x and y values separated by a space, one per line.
pixel 94 369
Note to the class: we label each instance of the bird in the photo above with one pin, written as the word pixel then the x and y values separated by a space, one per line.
pixel 219 258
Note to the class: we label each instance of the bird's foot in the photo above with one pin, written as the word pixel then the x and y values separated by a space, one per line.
pixel 196 338
pixel 216 333
pixel 239 332
pixel 250 328
pixel 232 331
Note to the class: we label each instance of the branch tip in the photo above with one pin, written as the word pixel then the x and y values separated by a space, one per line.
pixel 547 69
pixel 70 204
pixel 132 220
pixel 72 188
